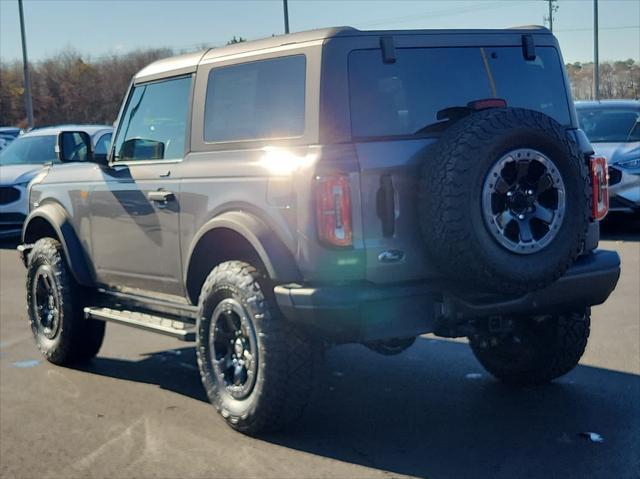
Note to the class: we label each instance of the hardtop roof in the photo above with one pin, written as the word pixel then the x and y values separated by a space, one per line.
pixel 187 63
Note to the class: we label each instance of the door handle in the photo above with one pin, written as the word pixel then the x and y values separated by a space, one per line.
pixel 161 196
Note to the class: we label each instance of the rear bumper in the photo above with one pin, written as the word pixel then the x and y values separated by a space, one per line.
pixel 366 312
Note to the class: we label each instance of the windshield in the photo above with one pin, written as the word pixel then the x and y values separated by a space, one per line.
pixel 611 125
pixel 400 98
pixel 30 150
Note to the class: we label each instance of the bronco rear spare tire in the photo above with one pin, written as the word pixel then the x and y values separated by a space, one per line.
pixel 504 200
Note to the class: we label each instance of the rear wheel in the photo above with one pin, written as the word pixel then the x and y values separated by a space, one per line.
pixel 537 350
pixel 55 305
pixel 256 367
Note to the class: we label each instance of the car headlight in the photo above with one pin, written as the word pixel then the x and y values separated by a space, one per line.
pixel 630 164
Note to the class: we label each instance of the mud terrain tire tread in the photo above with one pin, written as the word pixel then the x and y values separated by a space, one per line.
pixel 287 356
pixel 78 339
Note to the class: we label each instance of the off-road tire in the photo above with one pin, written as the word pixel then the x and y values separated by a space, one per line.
pixel 537 351
pixel 287 357
pixel 450 201
pixel 77 339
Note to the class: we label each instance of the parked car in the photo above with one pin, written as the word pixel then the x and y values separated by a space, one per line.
pixel 22 160
pixel 613 127
pixel 269 198
pixel 7 135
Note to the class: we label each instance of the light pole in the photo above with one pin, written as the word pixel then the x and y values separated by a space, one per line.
pixel 25 63
pixel 552 9
pixel 286 16
pixel 596 63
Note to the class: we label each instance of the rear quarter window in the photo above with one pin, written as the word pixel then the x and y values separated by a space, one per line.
pixel 256 100
pixel 391 99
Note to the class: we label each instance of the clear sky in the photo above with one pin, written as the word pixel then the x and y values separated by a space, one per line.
pixel 102 27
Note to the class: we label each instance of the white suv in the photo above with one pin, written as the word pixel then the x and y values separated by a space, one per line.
pixel 21 161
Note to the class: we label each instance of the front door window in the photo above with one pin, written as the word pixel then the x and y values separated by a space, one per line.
pixel 154 124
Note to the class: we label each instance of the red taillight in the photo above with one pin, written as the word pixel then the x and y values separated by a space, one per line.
pixel 599 187
pixel 333 210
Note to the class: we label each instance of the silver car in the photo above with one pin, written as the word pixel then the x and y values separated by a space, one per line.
pixel 22 159
pixel 613 128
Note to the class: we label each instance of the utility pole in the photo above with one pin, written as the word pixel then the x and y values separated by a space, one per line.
pixel 596 62
pixel 552 9
pixel 25 64
pixel 286 16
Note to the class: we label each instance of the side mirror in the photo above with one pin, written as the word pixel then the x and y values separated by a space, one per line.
pixel 141 149
pixel 74 146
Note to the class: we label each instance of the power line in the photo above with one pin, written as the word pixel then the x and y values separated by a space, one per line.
pixel 439 13
pixel 588 29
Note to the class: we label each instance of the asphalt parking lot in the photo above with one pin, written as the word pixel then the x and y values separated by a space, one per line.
pixel 138 410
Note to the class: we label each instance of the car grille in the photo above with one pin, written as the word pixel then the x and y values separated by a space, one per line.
pixel 8 194
pixel 615 176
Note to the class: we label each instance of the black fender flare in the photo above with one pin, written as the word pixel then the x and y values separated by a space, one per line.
pixel 277 259
pixel 56 217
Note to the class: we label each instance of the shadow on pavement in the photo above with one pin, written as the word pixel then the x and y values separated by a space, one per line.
pixel 433 412
pixel 175 370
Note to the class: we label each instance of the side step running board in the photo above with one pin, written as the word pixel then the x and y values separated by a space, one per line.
pixel 157 324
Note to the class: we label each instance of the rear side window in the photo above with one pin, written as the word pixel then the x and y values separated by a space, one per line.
pixel 256 100
pixel 389 99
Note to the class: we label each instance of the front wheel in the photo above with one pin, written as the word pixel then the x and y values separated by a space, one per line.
pixel 256 367
pixel 537 350
pixel 55 304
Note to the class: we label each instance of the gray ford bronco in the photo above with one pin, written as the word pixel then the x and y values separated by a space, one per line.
pixel 270 198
